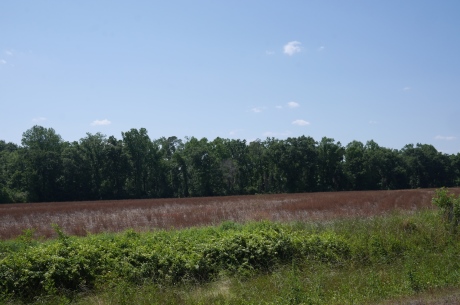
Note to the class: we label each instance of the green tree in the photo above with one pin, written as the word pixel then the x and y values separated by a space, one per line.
pixel 172 180
pixel 91 150
pixel 330 165
pixel 144 159
pixel 426 166
pixel 203 168
pixel 8 160
pixel 43 166
pixel 299 163
pixel 74 182
pixel 455 169
pixel 259 164
pixel 354 166
pixel 236 169
pixel 115 169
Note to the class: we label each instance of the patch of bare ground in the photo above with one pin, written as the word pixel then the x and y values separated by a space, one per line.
pixel 80 218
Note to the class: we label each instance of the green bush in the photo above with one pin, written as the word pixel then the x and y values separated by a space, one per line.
pixel 31 268
pixel 75 264
pixel 449 206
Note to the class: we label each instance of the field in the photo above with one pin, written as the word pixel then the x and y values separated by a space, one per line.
pixel 376 247
pixel 81 218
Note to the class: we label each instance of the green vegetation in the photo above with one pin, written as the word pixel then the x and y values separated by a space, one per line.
pixel 47 168
pixel 353 261
pixel 449 206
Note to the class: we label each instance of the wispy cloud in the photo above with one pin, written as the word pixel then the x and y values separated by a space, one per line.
pixel 235 132
pixel 101 122
pixel 279 107
pixel 373 122
pixel 292 48
pixel 321 48
pixel 407 88
pixel 9 53
pixel 445 138
pixel 276 134
pixel 257 109
pixel 269 52
pixel 300 123
pixel 2 62
pixel 293 104
pixel 38 120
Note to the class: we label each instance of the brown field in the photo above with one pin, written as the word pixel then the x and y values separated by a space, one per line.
pixel 80 218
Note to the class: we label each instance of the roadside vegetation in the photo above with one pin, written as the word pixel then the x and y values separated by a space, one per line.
pixel 344 261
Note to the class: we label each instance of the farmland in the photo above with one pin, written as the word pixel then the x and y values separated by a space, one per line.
pixel 318 248
pixel 80 218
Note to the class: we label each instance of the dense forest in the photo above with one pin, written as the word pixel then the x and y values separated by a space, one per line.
pixel 47 168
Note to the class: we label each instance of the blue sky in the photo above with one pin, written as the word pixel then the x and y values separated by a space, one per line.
pixel 349 70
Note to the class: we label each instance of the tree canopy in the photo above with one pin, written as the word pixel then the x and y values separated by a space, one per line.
pixel 47 168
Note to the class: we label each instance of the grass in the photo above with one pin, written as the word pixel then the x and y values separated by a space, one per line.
pixel 81 218
pixel 391 259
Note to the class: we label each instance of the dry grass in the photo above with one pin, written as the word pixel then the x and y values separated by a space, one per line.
pixel 80 218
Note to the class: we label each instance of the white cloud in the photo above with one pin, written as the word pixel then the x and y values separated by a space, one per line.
pixel 292 47
pixel 38 120
pixel 407 88
pixel 279 107
pixel 9 53
pixel 444 138
pixel 2 62
pixel 269 52
pixel 321 48
pixel 300 123
pixel 373 122
pixel 293 105
pixel 101 122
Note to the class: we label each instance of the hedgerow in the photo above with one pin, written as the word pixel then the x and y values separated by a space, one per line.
pixel 75 263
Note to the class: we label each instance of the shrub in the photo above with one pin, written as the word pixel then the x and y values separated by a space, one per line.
pixel 449 206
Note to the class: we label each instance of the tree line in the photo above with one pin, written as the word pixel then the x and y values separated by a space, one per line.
pixel 47 168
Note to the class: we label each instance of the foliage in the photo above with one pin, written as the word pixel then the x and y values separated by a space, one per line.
pixel 73 264
pixel 344 262
pixel 449 206
pixel 46 168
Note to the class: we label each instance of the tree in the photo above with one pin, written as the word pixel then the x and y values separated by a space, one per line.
pixel 330 163
pixel 299 163
pixel 144 162
pixel 426 166
pixel 115 169
pixel 455 168
pixel 43 166
pixel 375 166
pixel 91 150
pixel 74 183
pixel 259 162
pixel 235 166
pixel 8 153
pixel 172 181
pixel 202 167
pixel 354 166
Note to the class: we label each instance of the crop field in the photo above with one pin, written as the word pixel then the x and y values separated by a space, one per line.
pixel 81 218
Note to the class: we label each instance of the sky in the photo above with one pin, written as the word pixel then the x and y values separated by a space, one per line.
pixel 387 71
